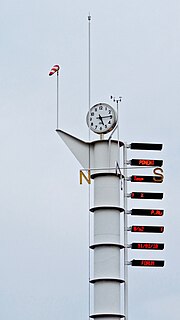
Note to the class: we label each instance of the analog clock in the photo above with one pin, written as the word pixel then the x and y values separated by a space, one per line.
pixel 101 118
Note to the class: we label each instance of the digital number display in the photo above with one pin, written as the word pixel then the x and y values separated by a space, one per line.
pixel 146 146
pixel 153 229
pixel 147 195
pixel 146 179
pixel 147 212
pixel 147 263
pixel 147 246
pixel 146 162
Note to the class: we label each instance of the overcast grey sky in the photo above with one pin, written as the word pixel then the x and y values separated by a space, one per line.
pixel 43 209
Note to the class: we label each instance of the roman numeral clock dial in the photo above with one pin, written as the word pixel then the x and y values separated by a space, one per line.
pixel 101 118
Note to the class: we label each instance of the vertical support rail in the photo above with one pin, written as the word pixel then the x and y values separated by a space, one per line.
pixel 125 234
pixel 57 99
pixel 89 136
pixel 118 129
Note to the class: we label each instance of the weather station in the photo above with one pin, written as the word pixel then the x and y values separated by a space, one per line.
pixel 101 158
pixel 105 167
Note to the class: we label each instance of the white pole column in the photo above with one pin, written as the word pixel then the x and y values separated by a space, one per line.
pixel 125 235
pixel 106 246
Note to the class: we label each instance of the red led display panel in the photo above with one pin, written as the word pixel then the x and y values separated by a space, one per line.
pixel 146 162
pixel 147 263
pixel 147 195
pixel 153 229
pixel 146 146
pixel 147 246
pixel 147 212
pixel 146 179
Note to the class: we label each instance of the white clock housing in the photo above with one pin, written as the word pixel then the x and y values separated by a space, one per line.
pixel 101 118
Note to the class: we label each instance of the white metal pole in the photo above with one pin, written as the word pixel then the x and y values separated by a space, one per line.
pixel 89 136
pixel 57 99
pixel 118 131
pixel 89 64
pixel 125 235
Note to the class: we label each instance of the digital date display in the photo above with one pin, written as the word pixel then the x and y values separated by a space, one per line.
pixel 147 246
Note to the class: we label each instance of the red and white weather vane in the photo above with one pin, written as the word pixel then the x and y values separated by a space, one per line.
pixel 55 69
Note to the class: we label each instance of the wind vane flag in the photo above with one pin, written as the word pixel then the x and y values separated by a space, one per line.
pixel 54 69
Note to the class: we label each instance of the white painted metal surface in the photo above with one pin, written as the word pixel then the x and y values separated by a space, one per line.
pixel 107 276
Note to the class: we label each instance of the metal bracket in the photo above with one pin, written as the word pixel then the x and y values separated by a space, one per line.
pixel 128 195
pixel 118 169
pixel 128 145
pixel 128 212
pixel 128 179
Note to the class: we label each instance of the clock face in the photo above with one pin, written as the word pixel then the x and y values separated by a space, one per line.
pixel 101 118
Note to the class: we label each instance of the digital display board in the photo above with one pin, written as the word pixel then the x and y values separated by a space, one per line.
pixel 147 246
pixel 146 162
pixel 147 263
pixel 153 229
pixel 146 146
pixel 146 179
pixel 147 195
pixel 147 212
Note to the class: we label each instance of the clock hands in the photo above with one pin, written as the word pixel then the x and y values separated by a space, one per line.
pixel 107 117
pixel 100 118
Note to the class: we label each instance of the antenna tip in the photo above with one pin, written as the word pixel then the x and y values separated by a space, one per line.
pixel 89 17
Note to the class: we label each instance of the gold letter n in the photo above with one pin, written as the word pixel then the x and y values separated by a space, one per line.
pixel 87 178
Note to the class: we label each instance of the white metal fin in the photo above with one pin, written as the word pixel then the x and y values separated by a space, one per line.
pixel 78 147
